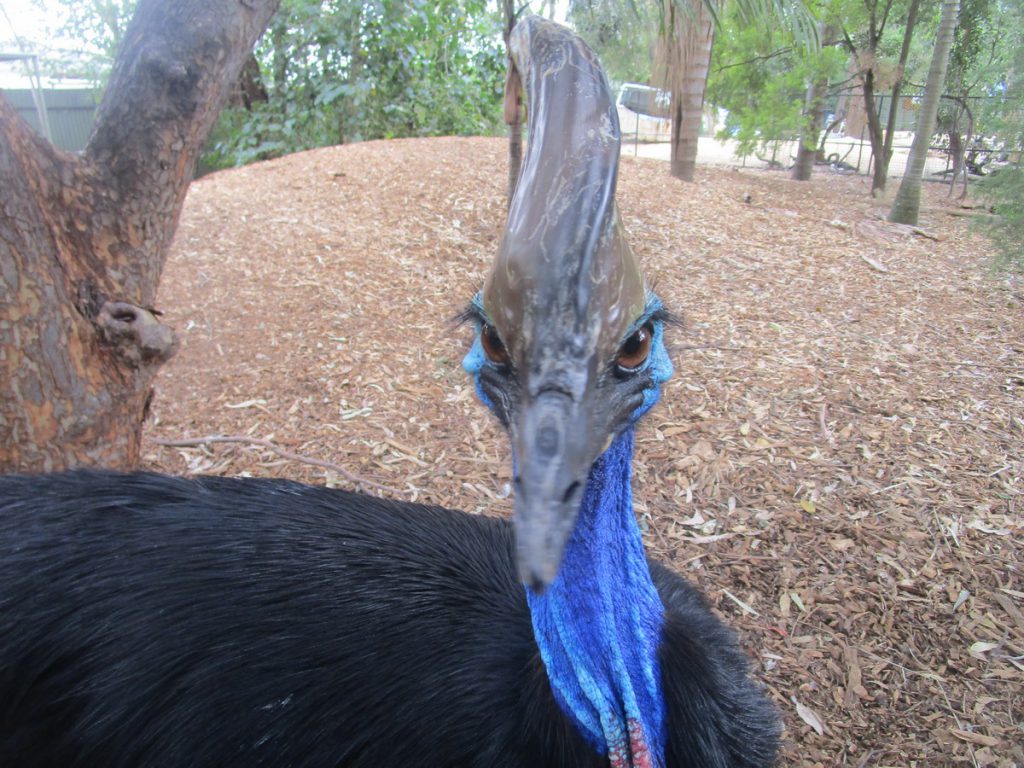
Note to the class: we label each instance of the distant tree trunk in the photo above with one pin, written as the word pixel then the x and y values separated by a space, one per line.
pixel 513 105
pixel 897 86
pixel 807 151
pixel 957 145
pixel 837 120
pixel 907 205
pixel 956 153
pixel 881 139
pixel 348 113
pixel 688 60
pixel 875 134
pixel 250 89
pixel 83 239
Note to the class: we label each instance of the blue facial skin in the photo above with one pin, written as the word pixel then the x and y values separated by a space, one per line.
pixel 473 363
pixel 598 625
pixel 658 362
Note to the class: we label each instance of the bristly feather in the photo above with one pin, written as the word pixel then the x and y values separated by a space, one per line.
pixel 160 621
pixel 473 312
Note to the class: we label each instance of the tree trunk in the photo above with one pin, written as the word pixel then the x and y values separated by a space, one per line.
pixel 907 205
pixel 812 141
pixel 875 134
pixel 513 106
pixel 514 119
pixel 881 139
pixel 807 152
pixel 897 86
pixel 956 152
pixel 347 114
pixel 250 89
pixel 688 78
pixel 83 239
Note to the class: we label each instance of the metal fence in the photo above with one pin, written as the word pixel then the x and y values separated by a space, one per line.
pixel 847 146
pixel 70 113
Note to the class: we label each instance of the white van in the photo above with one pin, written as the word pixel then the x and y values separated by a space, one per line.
pixel 644 113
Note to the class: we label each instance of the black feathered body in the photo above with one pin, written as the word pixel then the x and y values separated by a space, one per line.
pixel 156 621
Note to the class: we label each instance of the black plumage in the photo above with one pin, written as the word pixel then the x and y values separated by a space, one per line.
pixel 156 621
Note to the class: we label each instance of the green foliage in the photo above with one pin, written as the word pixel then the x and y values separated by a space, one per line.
pixel 95 26
pixel 1004 191
pixel 762 117
pixel 633 39
pixel 348 71
pixel 986 53
pixel 760 78
pixel 334 71
pixel 999 74
pixel 877 27
pixel 922 42
pixel 622 33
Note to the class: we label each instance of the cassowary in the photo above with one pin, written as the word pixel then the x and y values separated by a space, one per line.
pixel 158 621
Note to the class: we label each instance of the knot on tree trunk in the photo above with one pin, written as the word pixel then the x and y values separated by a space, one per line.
pixel 135 335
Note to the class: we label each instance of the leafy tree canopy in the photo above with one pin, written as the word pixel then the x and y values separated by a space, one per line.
pixel 82 37
pixel 348 71
pixel 622 33
pixel 760 77
pixel 987 67
pixel 330 71
pixel 1002 117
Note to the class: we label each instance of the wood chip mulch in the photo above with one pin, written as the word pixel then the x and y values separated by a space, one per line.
pixel 837 461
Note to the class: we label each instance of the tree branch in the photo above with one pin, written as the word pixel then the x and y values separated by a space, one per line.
pixel 84 238
pixel 175 69
pixel 755 59
pixel 839 87
pixel 849 43
pixel 772 55
pixel 885 18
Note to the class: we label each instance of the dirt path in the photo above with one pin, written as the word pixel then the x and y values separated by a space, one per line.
pixel 837 461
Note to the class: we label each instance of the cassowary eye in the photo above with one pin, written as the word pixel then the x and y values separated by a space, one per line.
pixel 634 350
pixel 493 346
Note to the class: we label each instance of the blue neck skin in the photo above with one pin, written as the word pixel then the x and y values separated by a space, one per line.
pixel 598 625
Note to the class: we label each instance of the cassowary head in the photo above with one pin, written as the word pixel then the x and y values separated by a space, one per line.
pixel 569 351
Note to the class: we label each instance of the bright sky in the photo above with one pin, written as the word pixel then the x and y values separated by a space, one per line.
pixel 25 23
pixel 34 25
pixel 24 19
pixel 25 27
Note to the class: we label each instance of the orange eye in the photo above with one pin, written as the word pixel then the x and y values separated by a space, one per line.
pixel 493 346
pixel 635 349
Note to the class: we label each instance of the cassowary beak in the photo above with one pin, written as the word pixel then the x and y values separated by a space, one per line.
pixel 564 288
pixel 553 460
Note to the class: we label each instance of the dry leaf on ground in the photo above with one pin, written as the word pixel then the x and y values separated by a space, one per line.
pixel 837 461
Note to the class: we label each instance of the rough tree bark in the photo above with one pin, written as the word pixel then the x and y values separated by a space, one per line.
pixel 807 150
pixel 250 89
pixel 688 39
pixel 83 239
